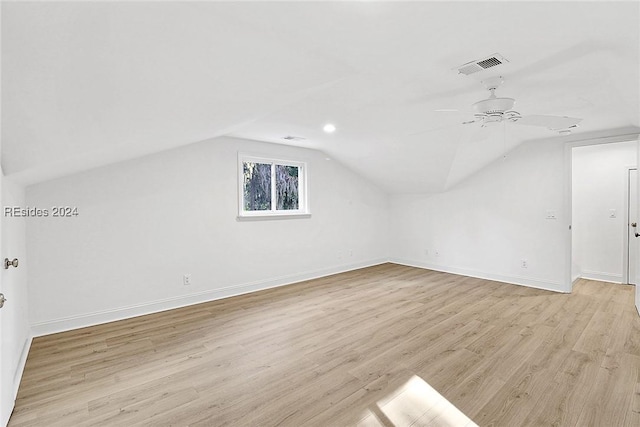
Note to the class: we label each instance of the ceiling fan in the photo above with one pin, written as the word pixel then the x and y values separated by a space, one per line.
pixel 497 109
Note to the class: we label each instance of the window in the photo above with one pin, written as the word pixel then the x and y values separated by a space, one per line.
pixel 271 187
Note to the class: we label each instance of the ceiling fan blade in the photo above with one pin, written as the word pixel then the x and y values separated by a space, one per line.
pixel 435 129
pixel 549 122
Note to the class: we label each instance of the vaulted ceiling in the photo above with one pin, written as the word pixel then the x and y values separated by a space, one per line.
pixel 89 83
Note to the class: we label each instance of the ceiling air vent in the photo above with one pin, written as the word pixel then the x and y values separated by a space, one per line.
pixel 481 64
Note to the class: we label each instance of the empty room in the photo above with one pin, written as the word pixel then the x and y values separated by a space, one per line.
pixel 346 213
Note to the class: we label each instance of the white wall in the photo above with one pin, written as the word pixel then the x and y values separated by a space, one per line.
pixel 599 184
pixel 143 223
pixel 16 327
pixel 486 225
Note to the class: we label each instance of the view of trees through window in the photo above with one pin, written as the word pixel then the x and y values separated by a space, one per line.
pixel 286 187
pixel 258 181
pixel 257 186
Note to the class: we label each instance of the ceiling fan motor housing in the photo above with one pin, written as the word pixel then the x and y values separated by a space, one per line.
pixel 493 105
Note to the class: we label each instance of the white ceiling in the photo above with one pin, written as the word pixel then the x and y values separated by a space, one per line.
pixel 87 84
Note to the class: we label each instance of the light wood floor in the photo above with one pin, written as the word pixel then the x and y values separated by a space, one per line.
pixel 360 347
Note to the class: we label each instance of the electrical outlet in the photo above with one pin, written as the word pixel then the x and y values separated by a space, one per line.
pixel 350 253
pixel 186 279
pixel 552 215
pixel 524 263
pixel 426 252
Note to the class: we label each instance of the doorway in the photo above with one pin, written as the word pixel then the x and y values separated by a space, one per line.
pixel 601 187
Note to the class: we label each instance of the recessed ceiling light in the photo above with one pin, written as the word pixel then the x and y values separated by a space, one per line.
pixel 329 128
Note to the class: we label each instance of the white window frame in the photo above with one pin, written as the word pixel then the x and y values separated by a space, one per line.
pixel 303 200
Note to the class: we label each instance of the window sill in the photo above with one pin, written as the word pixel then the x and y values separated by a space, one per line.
pixel 273 216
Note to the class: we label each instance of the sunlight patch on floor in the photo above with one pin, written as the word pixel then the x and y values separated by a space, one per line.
pixel 415 404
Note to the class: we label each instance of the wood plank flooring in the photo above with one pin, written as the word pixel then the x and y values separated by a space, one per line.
pixel 387 346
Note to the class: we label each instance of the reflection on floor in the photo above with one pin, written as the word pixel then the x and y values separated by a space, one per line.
pixel 416 404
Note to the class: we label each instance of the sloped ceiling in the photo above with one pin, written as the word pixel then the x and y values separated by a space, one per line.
pixel 89 83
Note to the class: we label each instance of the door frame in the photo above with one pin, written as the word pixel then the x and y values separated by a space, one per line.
pixel 625 241
pixel 567 191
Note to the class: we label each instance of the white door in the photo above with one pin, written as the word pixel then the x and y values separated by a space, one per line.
pixel 633 219
pixel 6 382
pixel 637 260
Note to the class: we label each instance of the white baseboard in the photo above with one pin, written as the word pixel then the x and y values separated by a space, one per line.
pixel 601 277
pixel 513 280
pixel 17 375
pixel 120 313
pixel 96 318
